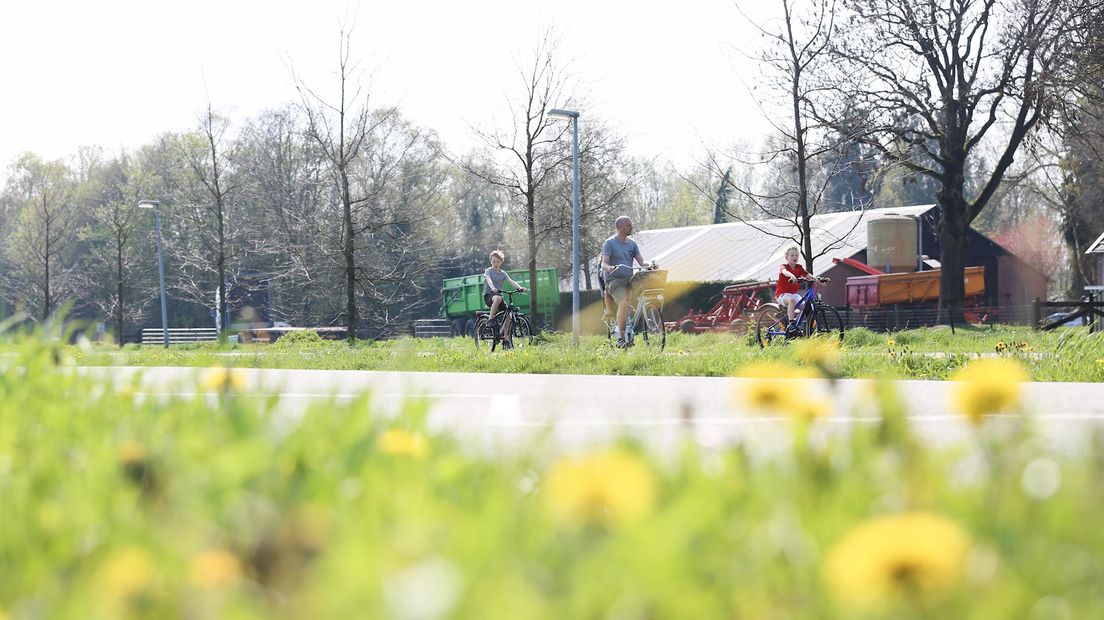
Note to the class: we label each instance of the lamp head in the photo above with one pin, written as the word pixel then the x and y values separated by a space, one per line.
pixel 564 114
pixel 149 204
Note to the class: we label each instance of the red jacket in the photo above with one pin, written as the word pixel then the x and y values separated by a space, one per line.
pixel 784 285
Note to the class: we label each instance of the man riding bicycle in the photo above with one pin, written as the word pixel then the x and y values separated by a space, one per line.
pixel 618 254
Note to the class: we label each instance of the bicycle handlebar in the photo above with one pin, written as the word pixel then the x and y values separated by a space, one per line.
pixel 652 266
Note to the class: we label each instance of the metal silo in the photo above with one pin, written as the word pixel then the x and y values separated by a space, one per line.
pixel 891 243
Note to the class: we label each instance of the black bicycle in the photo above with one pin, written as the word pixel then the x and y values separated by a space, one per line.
pixel 521 330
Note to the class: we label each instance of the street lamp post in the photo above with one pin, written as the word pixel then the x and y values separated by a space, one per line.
pixel 574 117
pixel 156 206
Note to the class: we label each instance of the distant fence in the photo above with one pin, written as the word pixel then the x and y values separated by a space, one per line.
pixel 432 328
pixel 179 335
pixel 911 316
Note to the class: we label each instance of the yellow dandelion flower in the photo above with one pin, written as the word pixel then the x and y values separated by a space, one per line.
pixel 911 555
pixel 1000 347
pixel 215 569
pixel 811 408
pixel 402 443
pixel 126 573
pixel 890 342
pixel 820 352
pixel 1100 362
pixel 772 388
pixel 610 487
pixel 224 380
pixel 987 386
pixel 768 395
pixel 131 452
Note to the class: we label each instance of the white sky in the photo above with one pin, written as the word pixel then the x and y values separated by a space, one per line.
pixel 115 73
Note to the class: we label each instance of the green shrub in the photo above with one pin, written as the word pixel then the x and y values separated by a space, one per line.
pixel 300 338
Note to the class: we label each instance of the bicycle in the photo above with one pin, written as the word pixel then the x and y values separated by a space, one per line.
pixel 646 317
pixel 814 318
pixel 521 331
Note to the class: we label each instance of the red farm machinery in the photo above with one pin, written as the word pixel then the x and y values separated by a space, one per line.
pixel 738 302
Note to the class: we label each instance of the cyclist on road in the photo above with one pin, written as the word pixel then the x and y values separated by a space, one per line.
pixel 493 279
pixel 618 254
pixel 786 291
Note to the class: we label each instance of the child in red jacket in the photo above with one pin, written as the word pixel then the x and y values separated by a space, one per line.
pixel 786 291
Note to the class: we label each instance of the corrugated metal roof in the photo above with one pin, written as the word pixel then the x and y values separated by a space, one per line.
pixel 1097 247
pixel 753 250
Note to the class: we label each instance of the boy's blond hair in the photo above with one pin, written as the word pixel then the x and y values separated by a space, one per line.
pixel 499 254
pixel 792 247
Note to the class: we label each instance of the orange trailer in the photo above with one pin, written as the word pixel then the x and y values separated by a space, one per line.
pixel 902 288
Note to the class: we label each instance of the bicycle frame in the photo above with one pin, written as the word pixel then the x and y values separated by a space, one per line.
pixel 636 319
pixel 517 320
pixel 805 307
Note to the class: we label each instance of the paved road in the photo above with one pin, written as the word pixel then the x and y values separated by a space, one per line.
pixel 498 410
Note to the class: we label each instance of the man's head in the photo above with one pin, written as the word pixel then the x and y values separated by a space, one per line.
pixel 623 225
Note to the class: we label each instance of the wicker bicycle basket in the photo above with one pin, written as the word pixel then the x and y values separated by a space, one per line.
pixel 644 280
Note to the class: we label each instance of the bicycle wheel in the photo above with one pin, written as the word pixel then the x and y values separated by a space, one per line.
pixel 825 321
pixel 652 328
pixel 770 325
pixel 486 337
pixel 521 332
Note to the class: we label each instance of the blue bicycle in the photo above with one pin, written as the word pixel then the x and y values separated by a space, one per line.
pixel 814 318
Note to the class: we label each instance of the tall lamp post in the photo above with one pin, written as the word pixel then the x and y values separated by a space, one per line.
pixel 156 206
pixel 574 118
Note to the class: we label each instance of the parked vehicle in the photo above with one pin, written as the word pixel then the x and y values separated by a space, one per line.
pixel 1058 316
pixel 908 299
pixel 462 297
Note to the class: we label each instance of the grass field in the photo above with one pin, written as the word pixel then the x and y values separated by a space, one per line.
pixel 118 506
pixel 1061 355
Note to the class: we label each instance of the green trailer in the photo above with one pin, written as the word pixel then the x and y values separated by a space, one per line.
pixel 463 296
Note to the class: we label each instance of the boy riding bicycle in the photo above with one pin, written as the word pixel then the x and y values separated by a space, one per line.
pixel 493 279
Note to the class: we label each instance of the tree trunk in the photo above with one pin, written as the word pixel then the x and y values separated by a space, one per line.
pixel 348 250
pixel 531 234
pixel 954 250
pixel 46 280
pixel 802 159
pixel 119 283
pixel 222 303
pixel 954 221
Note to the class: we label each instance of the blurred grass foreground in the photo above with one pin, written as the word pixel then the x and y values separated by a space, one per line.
pixel 114 504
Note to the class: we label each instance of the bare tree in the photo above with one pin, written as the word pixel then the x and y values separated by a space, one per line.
pixel 384 174
pixel 606 176
pixel 113 280
pixel 341 130
pixel 285 186
pixel 927 81
pixel 209 156
pixel 40 198
pixel 532 144
pixel 805 158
